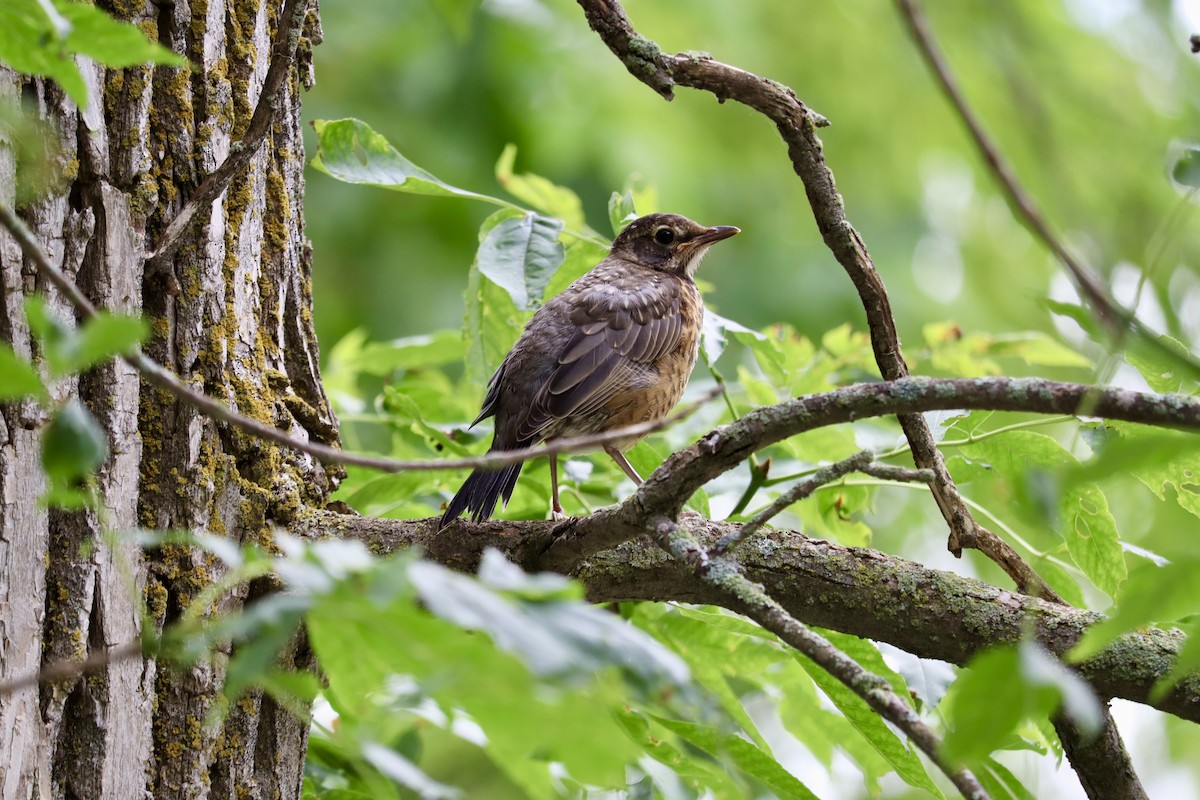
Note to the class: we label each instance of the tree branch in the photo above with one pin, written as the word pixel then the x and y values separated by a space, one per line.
pixel 797 126
pixel 725 576
pixel 868 593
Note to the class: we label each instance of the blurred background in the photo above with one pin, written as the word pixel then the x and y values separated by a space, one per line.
pixel 1086 97
pixel 1091 100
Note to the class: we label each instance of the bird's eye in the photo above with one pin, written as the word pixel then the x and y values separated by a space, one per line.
pixel 664 236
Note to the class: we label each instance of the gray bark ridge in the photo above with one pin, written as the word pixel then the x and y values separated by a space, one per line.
pixel 230 311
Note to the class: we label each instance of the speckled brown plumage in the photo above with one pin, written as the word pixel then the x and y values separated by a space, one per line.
pixel 615 348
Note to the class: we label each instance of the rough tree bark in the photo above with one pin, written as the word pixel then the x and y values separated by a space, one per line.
pixel 230 313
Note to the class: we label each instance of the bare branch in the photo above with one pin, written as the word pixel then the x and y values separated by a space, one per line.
pixel 797 125
pixel 798 492
pixel 96 661
pixel 283 53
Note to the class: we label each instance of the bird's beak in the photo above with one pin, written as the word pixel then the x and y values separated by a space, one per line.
pixel 716 234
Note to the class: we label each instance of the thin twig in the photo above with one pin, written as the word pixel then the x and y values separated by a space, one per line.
pixel 283 52
pixel 797 126
pixel 750 598
pixel 890 472
pixel 95 661
pixel 798 492
pixel 1116 317
pixel 168 381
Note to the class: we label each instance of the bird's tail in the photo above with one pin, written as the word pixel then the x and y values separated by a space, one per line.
pixel 481 491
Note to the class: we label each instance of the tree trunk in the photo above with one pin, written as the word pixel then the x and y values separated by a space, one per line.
pixel 231 314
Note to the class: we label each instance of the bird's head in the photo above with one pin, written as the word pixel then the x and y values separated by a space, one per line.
pixel 668 242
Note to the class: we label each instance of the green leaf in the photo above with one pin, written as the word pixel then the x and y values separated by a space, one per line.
pixel 1185 166
pixel 865 720
pixel 555 635
pixel 105 336
pixel 18 378
pixel 713 335
pixel 492 321
pixel 114 44
pixel 1030 462
pixel 521 254
pixel 698 773
pixel 747 757
pixel 621 211
pixel 1151 594
pixel 1160 459
pixel 349 150
pixel 1092 539
pixel 1163 373
pixel 1006 685
pixel 39 38
pixel 1039 350
pixel 73 445
pixel 412 352
pixel 540 193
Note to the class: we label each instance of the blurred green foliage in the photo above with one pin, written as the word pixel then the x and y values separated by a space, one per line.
pixel 1086 98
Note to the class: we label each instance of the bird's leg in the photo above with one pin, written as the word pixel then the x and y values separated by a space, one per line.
pixel 556 509
pixel 625 466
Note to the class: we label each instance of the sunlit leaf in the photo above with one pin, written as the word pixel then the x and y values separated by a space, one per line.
pixel 540 193
pixel 349 150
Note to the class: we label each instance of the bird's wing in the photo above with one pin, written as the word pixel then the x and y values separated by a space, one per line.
pixel 618 333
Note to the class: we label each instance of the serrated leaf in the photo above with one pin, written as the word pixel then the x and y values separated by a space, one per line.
pixel 1092 539
pixel 540 193
pixel 73 444
pixel 521 254
pixel 1160 459
pixel 351 151
pixel 18 378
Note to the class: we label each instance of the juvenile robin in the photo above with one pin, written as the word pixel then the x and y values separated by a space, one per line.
pixel 615 348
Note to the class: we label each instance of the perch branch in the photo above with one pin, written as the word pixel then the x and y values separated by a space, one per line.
pixel 797 125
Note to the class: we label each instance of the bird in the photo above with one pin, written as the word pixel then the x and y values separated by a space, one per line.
pixel 614 348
